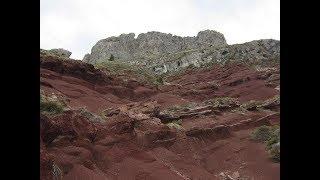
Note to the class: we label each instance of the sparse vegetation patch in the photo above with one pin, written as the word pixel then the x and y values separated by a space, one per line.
pixel 175 124
pixel 224 102
pixel 270 135
pixel 51 104
pixel 121 68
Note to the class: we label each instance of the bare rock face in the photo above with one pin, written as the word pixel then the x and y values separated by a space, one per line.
pixel 261 51
pixel 150 44
pixel 162 53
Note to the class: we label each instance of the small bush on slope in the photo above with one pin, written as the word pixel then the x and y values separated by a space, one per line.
pixel 275 136
pixel 111 58
pixel 261 134
pixel 275 152
pixel 273 144
pixel 271 136
pixel 50 105
pixel 159 80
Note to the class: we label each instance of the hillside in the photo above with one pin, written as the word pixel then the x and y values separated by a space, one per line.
pixel 110 120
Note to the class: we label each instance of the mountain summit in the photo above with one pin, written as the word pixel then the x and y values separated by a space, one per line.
pixel 161 52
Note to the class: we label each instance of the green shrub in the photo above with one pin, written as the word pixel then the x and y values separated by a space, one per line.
pixel 159 80
pixel 271 136
pixel 261 134
pixel 275 137
pixel 111 58
pixel 274 152
pixel 50 106
pixel 273 144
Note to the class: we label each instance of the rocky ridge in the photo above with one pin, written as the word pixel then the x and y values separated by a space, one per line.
pixel 161 53
pixel 150 44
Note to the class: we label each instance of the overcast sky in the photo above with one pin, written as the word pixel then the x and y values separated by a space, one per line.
pixel 76 25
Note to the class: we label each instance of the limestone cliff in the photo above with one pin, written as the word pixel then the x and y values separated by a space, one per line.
pixel 150 44
pixel 161 52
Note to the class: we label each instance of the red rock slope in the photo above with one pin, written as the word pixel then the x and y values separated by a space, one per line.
pixel 133 139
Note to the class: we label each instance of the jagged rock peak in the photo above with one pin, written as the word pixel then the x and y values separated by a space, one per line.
pixel 153 43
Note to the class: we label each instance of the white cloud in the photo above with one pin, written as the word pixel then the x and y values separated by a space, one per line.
pixel 77 25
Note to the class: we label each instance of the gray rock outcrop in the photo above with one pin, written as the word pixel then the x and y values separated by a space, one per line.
pixel 149 45
pixel 258 51
pixel 61 52
pixel 161 52
pixel 57 52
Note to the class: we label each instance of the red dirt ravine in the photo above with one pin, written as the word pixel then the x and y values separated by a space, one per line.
pixel 133 142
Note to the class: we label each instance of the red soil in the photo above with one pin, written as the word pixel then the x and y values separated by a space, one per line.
pixel 134 144
pixel 235 80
